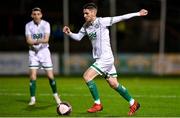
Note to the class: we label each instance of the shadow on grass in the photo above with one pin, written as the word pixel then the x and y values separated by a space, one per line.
pixel 22 101
pixel 97 114
pixel 38 107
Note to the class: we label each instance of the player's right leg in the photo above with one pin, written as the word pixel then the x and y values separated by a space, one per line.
pixel 111 78
pixel 33 66
pixel 134 105
pixel 88 76
pixel 32 86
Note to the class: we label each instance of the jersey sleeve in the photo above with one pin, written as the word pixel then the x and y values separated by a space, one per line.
pixel 47 28
pixel 108 21
pixel 78 36
pixel 124 17
pixel 27 31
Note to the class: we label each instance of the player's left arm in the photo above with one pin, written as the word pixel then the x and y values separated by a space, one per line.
pixel 44 40
pixel 142 12
pixel 111 20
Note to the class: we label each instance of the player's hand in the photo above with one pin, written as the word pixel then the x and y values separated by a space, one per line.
pixel 36 42
pixel 143 12
pixel 66 30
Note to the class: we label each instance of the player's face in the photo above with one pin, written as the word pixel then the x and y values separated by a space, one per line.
pixel 89 15
pixel 36 15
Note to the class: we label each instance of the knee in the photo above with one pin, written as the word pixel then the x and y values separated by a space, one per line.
pixel 50 74
pixel 51 77
pixel 33 77
pixel 113 85
pixel 85 77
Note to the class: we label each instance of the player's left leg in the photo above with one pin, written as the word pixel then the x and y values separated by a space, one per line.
pixel 52 83
pixel 134 105
pixel 46 62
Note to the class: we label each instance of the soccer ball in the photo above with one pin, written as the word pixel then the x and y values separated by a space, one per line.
pixel 64 108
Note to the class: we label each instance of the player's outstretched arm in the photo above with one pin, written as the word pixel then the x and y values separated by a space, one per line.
pixel 143 12
pixel 115 19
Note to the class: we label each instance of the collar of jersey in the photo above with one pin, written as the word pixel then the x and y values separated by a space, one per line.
pixel 94 22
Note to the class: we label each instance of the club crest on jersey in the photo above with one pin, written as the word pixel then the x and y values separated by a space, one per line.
pixel 96 26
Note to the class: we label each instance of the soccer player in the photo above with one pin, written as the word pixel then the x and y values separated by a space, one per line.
pixel 96 28
pixel 37 34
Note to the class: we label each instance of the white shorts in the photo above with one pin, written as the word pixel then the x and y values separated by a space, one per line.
pixel 40 59
pixel 105 67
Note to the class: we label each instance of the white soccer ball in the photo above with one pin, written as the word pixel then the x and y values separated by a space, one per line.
pixel 64 108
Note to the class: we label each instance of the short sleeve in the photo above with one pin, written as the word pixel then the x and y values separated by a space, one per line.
pixel 47 28
pixel 27 31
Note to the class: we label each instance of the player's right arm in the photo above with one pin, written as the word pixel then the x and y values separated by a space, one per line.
pixel 29 39
pixel 76 36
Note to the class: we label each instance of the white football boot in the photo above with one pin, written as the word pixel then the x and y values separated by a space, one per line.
pixel 32 101
pixel 57 99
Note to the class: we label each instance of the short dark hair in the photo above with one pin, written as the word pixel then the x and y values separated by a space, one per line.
pixel 90 6
pixel 36 9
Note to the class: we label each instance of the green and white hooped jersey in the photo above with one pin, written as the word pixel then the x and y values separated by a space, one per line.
pixel 37 32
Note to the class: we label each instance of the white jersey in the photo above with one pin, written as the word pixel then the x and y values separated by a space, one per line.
pixel 98 33
pixel 37 32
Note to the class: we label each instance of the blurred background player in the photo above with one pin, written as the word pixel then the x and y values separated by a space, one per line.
pixel 37 34
pixel 97 30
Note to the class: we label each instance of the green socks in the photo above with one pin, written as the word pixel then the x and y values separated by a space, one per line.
pixel 93 89
pixel 120 89
pixel 32 87
pixel 123 92
pixel 52 83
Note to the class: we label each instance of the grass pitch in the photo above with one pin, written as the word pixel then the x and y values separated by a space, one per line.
pixel 159 97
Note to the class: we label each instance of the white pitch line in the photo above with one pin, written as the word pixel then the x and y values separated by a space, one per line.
pixel 73 95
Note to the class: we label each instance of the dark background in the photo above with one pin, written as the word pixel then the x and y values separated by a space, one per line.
pixel 136 35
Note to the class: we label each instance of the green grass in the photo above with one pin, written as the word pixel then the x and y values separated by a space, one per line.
pixel 159 97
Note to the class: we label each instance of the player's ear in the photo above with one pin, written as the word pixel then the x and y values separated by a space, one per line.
pixel 94 11
pixel 41 15
pixel 31 15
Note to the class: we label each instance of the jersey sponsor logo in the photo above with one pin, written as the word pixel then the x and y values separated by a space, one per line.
pixel 96 26
pixel 37 36
pixel 92 35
